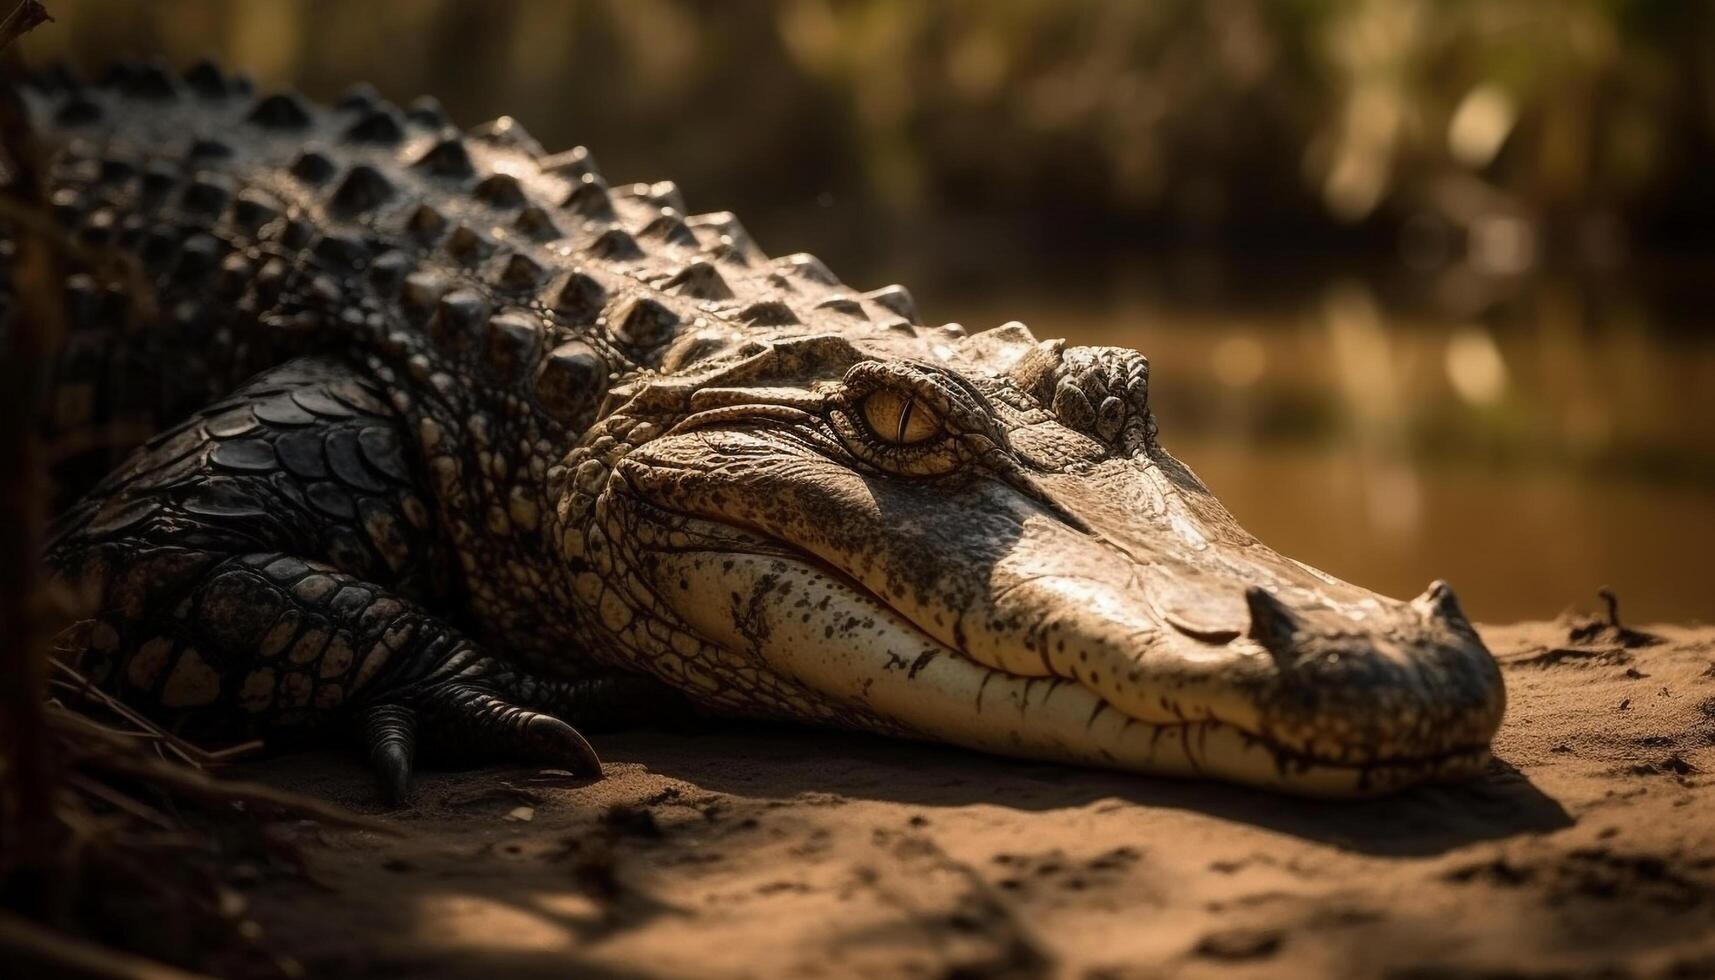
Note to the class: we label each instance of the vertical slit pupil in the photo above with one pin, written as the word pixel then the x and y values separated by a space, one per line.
pixel 905 419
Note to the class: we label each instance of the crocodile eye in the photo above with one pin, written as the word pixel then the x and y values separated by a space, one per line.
pixel 909 419
pixel 896 417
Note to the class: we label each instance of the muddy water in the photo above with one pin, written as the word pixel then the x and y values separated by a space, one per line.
pixel 1528 456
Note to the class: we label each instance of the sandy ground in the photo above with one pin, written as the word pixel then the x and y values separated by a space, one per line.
pixel 1588 850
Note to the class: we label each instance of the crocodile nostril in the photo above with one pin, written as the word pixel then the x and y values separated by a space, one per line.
pixel 1442 606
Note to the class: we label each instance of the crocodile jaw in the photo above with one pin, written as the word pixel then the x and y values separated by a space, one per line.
pixel 883 663
pixel 969 613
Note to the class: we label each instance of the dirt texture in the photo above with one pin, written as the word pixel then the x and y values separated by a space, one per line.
pixel 1587 850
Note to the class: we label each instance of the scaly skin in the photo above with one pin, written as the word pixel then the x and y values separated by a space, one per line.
pixel 519 452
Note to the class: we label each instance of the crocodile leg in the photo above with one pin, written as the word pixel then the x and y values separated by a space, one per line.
pixel 268 566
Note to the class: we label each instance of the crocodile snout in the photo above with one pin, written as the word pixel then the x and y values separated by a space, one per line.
pixel 1385 680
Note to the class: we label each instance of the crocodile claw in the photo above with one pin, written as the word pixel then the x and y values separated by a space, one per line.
pixel 390 730
pixel 466 723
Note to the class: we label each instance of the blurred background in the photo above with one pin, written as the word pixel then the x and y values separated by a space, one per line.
pixel 1425 285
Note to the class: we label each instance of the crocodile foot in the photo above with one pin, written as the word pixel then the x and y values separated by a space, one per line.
pixel 492 714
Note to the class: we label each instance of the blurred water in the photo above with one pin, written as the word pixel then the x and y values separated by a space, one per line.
pixel 1527 458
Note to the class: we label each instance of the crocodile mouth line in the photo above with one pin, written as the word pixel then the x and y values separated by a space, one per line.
pixel 1193 734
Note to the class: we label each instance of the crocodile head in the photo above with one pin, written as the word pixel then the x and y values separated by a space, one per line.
pixel 979 541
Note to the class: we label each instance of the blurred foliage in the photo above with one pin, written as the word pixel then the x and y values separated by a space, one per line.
pixel 1228 120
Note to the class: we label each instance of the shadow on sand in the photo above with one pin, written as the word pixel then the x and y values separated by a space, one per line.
pixel 784 762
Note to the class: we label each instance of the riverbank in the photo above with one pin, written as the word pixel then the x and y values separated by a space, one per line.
pixel 1588 849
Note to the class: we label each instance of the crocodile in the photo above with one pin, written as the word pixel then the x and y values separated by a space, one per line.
pixel 447 449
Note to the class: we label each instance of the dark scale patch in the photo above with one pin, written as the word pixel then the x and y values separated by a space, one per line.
pixel 281 410
pixel 615 244
pixel 644 322
pixel 363 189
pixel 426 110
pixel 232 423
pixel 331 500
pixel 387 271
pixel 767 313
pixel 341 252
pixel 380 446
pixel 221 500
pixel 78 111
pixel 590 199
pixel 469 246
pixel 534 223
pixel 895 299
pixel 458 317
pixel 512 342
pixel 448 158
pixel 151 82
pixel 254 208
pixel 313 167
pixel 506 131
pixel 207 193
pixel 206 80
pixel 199 256
pixel 376 126
pixel 500 190
pixel 700 280
pixel 346 458
pixel 359 97
pixel 580 298
pixel 520 273
pixel 282 110
pixel 426 224
pixel 843 305
pixel 670 230
pixel 571 381
pixel 210 149
pixel 320 403
pixel 573 164
pixel 245 455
